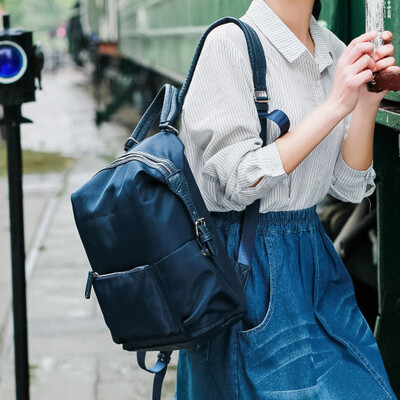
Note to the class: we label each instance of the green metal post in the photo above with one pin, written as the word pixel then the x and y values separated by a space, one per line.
pixel 387 330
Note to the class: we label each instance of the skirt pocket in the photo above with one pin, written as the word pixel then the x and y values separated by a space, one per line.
pixel 125 298
pixel 260 290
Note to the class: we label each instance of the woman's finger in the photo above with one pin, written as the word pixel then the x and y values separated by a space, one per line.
pixel 392 69
pixel 383 51
pixel 385 63
pixel 371 65
pixel 387 37
pixel 365 37
pixel 359 50
pixel 363 77
pixel 364 62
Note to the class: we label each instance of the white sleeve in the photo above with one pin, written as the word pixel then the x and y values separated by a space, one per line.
pixel 348 184
pixel 220 117
pixel 351 185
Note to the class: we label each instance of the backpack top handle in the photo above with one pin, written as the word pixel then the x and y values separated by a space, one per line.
pixel 165 106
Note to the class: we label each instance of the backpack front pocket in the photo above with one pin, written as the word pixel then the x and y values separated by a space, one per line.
pixel 129 301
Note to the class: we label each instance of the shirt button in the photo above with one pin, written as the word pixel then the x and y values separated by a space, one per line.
pixel 317 82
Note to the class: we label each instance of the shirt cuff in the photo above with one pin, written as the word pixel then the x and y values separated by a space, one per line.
pixel 270 160
pixel 265 164
pixel 352 184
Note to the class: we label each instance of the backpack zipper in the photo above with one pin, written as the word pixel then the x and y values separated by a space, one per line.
pixel 95 275
pixel 152 161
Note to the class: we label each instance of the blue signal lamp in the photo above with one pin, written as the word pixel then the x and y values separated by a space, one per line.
pixel 13 62
pixel 21 63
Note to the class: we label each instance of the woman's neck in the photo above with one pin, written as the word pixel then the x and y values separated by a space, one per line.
pixel 296 15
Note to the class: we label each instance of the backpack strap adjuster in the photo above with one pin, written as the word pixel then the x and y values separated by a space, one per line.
pixel 169 127
pixel 261 96
pixel 130 143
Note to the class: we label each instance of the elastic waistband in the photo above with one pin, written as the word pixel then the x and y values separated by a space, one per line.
pixel 296 220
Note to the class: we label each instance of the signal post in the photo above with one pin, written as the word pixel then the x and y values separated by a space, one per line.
pixel 20 63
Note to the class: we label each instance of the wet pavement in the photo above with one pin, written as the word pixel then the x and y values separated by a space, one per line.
pixel 71 352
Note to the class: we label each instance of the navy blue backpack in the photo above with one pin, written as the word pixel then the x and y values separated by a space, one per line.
pixel 163 279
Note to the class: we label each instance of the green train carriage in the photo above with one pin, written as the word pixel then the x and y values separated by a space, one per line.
pixel 153 41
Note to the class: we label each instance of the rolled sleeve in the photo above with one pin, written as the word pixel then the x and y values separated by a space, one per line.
pixel 240 173
pixel 351 185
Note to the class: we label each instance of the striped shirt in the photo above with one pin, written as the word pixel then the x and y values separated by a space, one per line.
pixel 220 127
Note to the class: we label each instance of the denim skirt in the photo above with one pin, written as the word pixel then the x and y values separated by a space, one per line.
pixel 304 336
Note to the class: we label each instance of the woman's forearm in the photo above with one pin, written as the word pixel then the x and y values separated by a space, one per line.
pixel 349 94
pixel 298 143
pixel 353 71
pixel 358 147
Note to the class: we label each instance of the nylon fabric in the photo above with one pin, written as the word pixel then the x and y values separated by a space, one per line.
pixel 145 269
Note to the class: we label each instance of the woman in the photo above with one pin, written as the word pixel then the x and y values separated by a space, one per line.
pixel 304 336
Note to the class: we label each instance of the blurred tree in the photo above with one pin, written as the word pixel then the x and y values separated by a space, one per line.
pixel 15 8
pixel 40 16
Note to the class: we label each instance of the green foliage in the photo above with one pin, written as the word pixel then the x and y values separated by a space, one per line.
pixel 32 372
pixel 35 162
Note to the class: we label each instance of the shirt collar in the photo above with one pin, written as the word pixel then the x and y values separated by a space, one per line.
pixel 283 39
pixel 323 55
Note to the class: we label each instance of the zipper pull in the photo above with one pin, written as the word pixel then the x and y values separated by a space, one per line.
pixel 89 283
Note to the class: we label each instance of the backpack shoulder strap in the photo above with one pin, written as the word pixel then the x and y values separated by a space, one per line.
pixel 256 54
pixel 259 67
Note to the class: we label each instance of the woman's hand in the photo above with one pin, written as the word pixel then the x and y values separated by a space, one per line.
pixel 358 147
pixel 353 70
pixel 384 62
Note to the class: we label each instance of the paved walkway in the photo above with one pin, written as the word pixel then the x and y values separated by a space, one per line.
pixel 71 352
